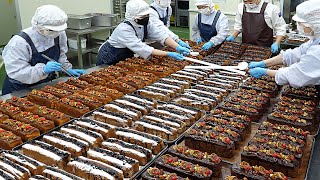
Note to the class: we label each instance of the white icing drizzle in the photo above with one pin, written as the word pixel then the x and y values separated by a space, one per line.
pixel 195 71
pixel 22 161
pixel 189 73
pixel 212 88
pixel 42 151
pixel 184 76
pixel 62 142
pixel 220 83
pixel 104 164
pixel 195 102
pixel 136 136
pixel 109 116
pixel 119 147
pixel 147 125
pixel 89 169
pixel 160 89
pixel 120 109
pixel 152 118
pixel 80 140
pixel 79 134
pixel 199 97
pixel 125 102
pixel 179 108
pixel 57 174
pixel 93 126
pixel 202 92
pixel 13 170
pixel 151 92
pixel 175 81
pixel 222 80
pixel 8 174
pixel 110 159
pixel 169 113
pixel 167 85
pixel 139 99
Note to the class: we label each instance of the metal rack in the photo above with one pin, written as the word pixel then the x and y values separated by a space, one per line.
pixel 119 7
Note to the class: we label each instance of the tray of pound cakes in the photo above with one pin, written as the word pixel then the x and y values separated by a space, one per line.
pixel 90 149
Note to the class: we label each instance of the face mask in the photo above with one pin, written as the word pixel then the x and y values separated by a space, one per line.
pixel 143 21
pixel 251 6
pixel 164 3
pixel 301 31
pixel 205 11
pixel 49 34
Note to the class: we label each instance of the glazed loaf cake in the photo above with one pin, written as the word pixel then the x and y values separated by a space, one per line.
pixel 104 129
pixel 24 130
pixel 8 140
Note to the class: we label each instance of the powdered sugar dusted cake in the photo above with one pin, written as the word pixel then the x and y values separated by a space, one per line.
pixel 104 129
pixel 14 169
pixel 55 173
pixel 112 118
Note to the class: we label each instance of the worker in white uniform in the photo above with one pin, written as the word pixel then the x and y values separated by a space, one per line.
pixel 25 66
pixel 210 25
pixel 303 62
pixel 129 36
pixel 258 21
pixel 161 12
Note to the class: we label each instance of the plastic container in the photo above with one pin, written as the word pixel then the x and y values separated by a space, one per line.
pixel 79 21
pixel 74 45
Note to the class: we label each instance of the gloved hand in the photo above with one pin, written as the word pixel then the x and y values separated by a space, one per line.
pixel 52 66
pixel 207 45
pixel 257 64
pixel 175 55
pixel 76 72
pixel 199 40
pixel 275 47
pixel 230 39
pixel 183 50
pixel 258 72
pixel 183 44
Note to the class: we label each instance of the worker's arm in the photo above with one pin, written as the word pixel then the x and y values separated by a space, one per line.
pixel 170 42
pixel 274 61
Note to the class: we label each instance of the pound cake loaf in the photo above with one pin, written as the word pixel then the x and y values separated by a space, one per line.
pixel 186 118
pixel 139 99
pixel 67 87
pixel 93 138
pixel 42 98
pixel 46 153
pixel 120 86
pixel 56 91
pixel 55 173
pixel 123 109
pixel 113 93
pixel 71 107
pixel 6 175
pixel 92 169
pixel 34 166
pixel 153 173
pixel 57 117
pixel 24 130
pixel 134 82
pixel 22 103
pixel 102 97
pixel 128 165
pixel 75 146
pixel 92 79
pixel 16 170
pixel 139 153
pixel 79 83
pixel 112 118
pixel 8 109
pixel 3 117
pixel 135 105
pixel 89 101
pixel 104 129
pixel 171 122
pixel 8 140
pixel 41 123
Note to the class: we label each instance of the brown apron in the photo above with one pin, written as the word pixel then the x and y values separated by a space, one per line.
pixel 255 29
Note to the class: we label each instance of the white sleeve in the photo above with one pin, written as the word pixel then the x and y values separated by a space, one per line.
pixel 154 18
pixel 238 18
pixel 195 29
pixel 278 23
pixel 155 33
pixel 16 56
pixel 222 30
pixel 169 16
pixel 63 50
pixel 304 73
pixel 292 56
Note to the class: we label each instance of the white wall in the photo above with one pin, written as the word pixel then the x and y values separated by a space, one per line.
pixel 8 21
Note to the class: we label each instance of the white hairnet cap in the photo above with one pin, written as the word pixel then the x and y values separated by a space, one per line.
pixel 136 8
pixel 205 3
pixel 50 17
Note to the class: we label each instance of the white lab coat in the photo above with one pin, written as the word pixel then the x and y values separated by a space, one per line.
pixel 304 65
pixel 154 17
pixel 17 55
pixel 272 16
pixel 125 37
pixel 221 27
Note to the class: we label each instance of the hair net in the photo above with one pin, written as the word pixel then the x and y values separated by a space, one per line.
pixel 163 3
pixel 308 13
pixel 208 3
pixel 49 17
pixel 136 9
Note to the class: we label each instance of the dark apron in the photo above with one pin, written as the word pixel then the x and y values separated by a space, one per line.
pixel 110 55
pixel 208 31
pixel 11 85
pixel 165 18
pixel 255 29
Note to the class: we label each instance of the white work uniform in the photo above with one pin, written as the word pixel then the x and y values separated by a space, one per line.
pixel 124 36
pixel 272 17
pixel 17 55
pixel 304 65
pixel 154 17
pixel 221 27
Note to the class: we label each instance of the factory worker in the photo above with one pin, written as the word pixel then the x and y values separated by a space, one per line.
pixel 258 21
pixel 210 25
pixel 129 36
pixel 161 12
pixel 22 56
pixel 303 62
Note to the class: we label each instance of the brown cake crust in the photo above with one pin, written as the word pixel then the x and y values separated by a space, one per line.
pixel 102 97
pixel 41 123
pixel 71 107
pixel 89 101
pixel 22 103
pixel 57 117
pixel 68 87
pixel 113 93
pixel 56 91
pixel 42 98
pixel 79 83
pixel 120 86
pixel 8 140
pixel 25 131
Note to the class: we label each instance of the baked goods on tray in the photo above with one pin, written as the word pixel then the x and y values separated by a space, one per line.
pixel 112 118
pixel 104 129
pixel 8 109
pixel 56 91
pixel 113 93
pixel 141 154
pixel 169 80
pixel 8 140
pixel 92 169
pixel 42 98
pixel 100 96
pixel 71 107
pixel 79 83
pixel 41 123
pixel 123 109
pixel 186 118
pixel 57 117
pixel 22 103
pixel 92 79
pixel 143 108
pixel 18 171
pixel 68 87
pixel 183 168
pixel 3 117
pixel 6 175
pixel 120 86
pixel 24 130
pixel 38 177
pixel 89 101
pixel 75 146
pixel 154 173
pixel 55 173
pixel 46 153
pixel 154 94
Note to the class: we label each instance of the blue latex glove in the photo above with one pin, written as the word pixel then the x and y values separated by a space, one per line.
pixel 52 66
pixel 183 50
pixel 207 45
pixel 258 72
pixel 175 55
pixel 76 72
pixel 275 47
pixel 230 39
pixel 199 40
pixel 183 44
pixel 261 64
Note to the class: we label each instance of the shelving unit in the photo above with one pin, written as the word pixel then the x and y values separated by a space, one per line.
pixel 119 7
